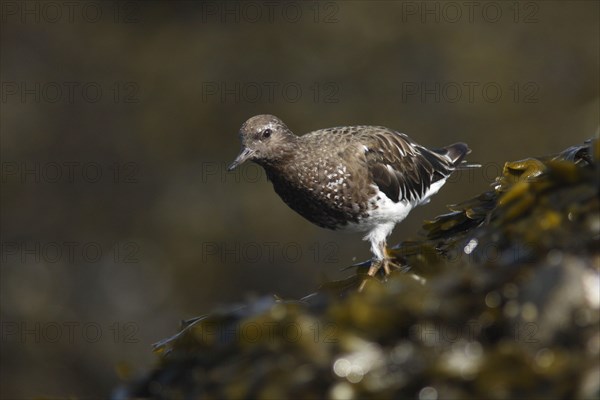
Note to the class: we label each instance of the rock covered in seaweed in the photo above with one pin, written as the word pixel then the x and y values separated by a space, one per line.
pixel 501 300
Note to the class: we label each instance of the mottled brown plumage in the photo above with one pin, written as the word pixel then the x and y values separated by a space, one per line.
pixel 363 178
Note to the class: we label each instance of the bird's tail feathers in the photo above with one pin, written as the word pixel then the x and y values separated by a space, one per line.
pixel 456 152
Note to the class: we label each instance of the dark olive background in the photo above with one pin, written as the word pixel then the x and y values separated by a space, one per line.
pixel 172 203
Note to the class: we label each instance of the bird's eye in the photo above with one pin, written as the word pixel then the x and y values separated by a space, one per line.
pixel 266 133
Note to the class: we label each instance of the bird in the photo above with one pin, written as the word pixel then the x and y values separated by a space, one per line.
pixel 349 178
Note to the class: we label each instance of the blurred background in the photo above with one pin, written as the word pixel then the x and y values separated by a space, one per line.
pixel 118 119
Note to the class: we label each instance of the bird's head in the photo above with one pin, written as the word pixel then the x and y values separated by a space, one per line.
pixel 265 140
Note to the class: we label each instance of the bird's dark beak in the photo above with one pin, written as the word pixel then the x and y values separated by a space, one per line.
pixel 244 155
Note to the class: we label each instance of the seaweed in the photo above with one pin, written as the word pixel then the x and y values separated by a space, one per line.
pixel 500 299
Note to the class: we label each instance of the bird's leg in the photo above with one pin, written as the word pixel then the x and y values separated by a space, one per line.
pixel 382 259
pixel 375 265
pixel 377 262
pixel 387 261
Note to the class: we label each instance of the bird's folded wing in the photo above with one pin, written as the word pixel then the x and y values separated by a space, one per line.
pixel 400 168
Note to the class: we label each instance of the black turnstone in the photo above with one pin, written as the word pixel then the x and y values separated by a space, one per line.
pixel 357 178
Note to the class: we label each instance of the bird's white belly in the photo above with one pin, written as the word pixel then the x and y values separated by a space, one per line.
pixel 382 219
pixel 387 212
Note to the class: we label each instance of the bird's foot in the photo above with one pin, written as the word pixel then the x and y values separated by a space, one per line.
pixel 376 265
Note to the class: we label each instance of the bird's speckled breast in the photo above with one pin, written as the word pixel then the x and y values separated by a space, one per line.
pixel 326 190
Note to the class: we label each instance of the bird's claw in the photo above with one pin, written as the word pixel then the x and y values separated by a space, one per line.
pixel 376 265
